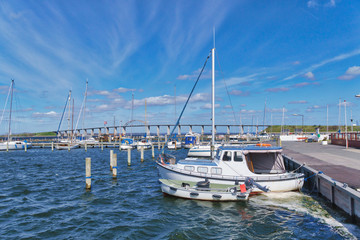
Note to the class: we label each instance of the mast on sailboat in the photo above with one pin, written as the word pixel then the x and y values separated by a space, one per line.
pixel 212 103
pixel 11 99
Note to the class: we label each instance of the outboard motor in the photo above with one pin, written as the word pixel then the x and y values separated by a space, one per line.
pixel 203 184
pixel 250 183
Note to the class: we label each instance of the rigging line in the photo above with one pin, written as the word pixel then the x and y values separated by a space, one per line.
pixel 67 99
pixel 227 91
pixel 192 90
pixel 7 98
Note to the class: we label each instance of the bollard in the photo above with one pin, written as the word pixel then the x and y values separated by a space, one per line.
pixel 111 159
pixel 85 147
pixel 88 172
pixel 142 153
pixel 52 146
pixel 114 168
pixel 129 156
pixel 153 151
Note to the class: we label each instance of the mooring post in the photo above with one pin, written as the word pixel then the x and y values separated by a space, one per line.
pixel 114 168
pixel 153 151
pixel 142 153
pixel 25 147
pixel 111 159
pixel 120 145
pixel 68 146
pixel 85 147
pixel 102 146
pixel 52 146
pixel 88 172
pixel 7 146
pixel 129 156
pixel 159 143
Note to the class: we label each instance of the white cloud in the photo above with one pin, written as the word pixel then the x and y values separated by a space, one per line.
pixel 351 73
pixel 124 90
pixel 50 114
pixel 298 102
pixel 309 75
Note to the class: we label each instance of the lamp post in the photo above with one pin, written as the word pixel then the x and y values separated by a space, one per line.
pixel 302 118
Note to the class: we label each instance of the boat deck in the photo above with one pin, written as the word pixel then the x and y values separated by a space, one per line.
pixel 335 161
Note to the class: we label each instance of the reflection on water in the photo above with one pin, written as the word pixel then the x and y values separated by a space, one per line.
pixel 42 195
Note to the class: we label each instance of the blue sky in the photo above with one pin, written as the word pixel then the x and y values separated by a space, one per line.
pixel 298 55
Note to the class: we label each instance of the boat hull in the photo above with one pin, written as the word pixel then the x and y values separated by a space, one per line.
pixel 219 193
pixel 12 145
pixel 280 183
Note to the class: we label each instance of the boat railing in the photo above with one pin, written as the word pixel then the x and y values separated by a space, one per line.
pixel 283 176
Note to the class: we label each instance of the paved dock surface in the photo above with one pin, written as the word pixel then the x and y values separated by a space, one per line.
pixel 335 161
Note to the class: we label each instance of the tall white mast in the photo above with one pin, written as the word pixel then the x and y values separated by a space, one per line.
pixel 212 102
pixel 11 98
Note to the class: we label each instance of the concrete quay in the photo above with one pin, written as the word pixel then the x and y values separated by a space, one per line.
pixel 331 170
pixel 335 161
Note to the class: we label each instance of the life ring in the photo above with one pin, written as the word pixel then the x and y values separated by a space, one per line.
pixel 263 144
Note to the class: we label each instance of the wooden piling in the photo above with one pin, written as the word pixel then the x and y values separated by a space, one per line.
pixel 114 168
pixel 129 156
pixel 85 147
pixel 88 172
pixel 142 153
pixel 52 146
pixel 111 159
pixel 25 147
pixel 153 151
pixel 68 146
pixel 159 143
pixel 102 146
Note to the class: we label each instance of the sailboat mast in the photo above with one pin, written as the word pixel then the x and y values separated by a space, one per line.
pixel 72 121
pixel 69 113
pixel 212 102
pixel 11 98
pixel 83 119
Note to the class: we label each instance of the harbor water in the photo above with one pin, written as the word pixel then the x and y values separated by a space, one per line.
pixel 43 196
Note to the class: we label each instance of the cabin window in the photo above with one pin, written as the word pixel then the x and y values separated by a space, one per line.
pixel 202 169
pixel 189 168
pixel 226 156
pixel 238 157
pixel 216 170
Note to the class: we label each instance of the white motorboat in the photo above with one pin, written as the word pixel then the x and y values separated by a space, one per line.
pixel 202 150
pixel 174 144
pixel 14 145
pixel 232 165
pixel 205 190
pixel 191 140
pixel 143 143
pixel 127 143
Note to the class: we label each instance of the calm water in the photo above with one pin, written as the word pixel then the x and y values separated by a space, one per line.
pixel 43 196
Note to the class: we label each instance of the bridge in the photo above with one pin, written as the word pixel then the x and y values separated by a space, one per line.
pixel 117 129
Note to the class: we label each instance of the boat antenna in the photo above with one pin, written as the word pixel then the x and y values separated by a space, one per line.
pixel 187 101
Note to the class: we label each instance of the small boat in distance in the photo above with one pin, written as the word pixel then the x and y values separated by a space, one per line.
pixel 191 139
pixel 127 143
pixel 9 144
pixel 143 143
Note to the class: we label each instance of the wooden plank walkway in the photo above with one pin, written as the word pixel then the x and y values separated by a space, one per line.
pixel 335 161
